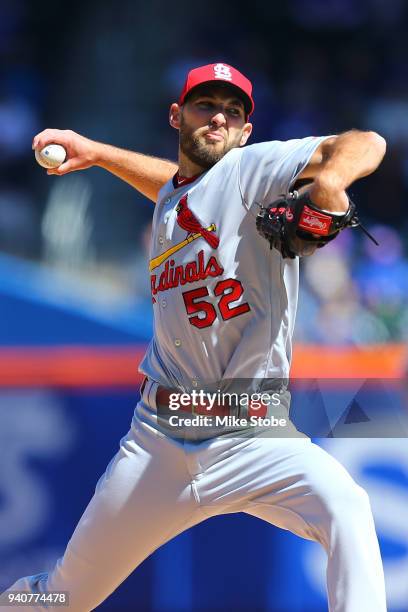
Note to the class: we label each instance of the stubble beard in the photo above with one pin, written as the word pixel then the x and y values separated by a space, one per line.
pixel 205 155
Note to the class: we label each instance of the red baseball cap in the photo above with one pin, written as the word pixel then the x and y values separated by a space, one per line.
pixel 222 73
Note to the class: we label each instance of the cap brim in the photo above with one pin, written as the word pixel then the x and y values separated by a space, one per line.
pixel 248 104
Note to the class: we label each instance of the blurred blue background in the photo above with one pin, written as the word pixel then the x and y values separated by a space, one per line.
pixel 73 268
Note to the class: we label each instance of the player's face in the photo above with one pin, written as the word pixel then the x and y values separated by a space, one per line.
pixel 211 123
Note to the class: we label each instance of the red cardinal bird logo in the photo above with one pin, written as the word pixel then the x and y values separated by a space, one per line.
pixel 189 222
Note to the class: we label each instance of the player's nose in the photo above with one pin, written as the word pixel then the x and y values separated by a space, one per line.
pixel 218 120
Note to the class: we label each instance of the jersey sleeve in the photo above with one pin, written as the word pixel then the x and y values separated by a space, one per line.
pixel 268 169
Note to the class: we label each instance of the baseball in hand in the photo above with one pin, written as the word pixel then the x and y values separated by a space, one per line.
pixel 51 156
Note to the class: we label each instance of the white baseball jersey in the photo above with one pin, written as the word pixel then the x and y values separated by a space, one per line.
pixel 224 303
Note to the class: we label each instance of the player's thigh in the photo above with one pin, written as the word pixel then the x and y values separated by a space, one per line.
pixel 143 499
pixel 144 494
pixel 305 490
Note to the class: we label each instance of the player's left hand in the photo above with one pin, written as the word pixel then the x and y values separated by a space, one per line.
pixel 295 226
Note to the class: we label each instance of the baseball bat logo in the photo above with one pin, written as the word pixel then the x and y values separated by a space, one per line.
pixel 187 220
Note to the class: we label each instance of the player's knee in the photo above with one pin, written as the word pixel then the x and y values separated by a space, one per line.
pixel 344 508
pixel 348 503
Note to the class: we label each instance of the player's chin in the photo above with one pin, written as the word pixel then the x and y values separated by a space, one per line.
pixel 217 148
pixel 215 153
pixel 206 155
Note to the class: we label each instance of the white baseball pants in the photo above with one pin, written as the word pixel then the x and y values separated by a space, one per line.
pixel 156 487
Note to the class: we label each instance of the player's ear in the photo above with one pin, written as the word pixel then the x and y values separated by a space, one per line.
pixel 174 116
pixel 246 132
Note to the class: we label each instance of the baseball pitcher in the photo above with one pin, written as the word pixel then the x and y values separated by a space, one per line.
pixel 230 223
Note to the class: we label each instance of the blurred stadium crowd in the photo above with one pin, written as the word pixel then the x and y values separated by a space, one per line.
pixel 110 72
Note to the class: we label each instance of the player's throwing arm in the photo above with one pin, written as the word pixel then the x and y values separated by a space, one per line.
pixel 64 151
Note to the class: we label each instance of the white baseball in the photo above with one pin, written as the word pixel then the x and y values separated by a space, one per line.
pixel 51 156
